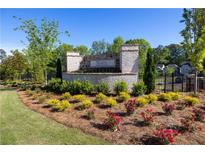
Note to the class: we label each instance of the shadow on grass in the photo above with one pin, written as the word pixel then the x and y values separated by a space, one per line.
pixel 7 89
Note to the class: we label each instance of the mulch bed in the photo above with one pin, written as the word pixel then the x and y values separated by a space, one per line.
pixel 132 131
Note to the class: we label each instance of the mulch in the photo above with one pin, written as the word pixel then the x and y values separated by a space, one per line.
pixel 132 130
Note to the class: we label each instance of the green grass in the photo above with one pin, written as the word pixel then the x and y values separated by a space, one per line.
pixel 19 125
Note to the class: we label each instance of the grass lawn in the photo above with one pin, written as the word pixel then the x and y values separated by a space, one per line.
pixel 19 125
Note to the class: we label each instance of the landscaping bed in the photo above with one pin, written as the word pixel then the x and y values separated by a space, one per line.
pixel 133 130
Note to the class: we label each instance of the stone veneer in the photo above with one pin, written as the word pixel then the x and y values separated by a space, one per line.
pixel 109 78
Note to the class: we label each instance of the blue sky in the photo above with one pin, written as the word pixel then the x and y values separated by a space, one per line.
pixel 157 26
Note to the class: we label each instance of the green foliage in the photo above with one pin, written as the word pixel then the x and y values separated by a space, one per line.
pixel 62 105
pixel 161 55
pixel 141 101
pixel 74 87
pixel 110 102
pixel 85 104
pixel 117 42
pixel 82 49
pixel 79 98
pixel 150 73
pixel 99 47
pixel 100 98
pixel 123 96
pixel 151 98
pixel 66 96
pixel 138 89
pixel 86 87
pixel 164 97
pixel 143 49
pixel 190 101
pixel 58 69
pixel 54 85
pixel 102 88
pixel 120 86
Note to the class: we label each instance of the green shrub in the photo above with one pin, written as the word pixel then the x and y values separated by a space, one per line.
pixel 174 96
pixel 62 105
pixel 41 99
pixel 164 97
pixel 54 85
pixel 86 104
pixel 102 88
pixel 151 98
pixel 64 86
pixel 123 96
pixel 74 87
pixel 120 86
pixel 138 89
pixel 110 102
pixel 100 98
pixel 53 102
pixel 141 101
pixel 29 92
pixel 66 95
pixel 79 98
pixel 190 101
pixel 86 87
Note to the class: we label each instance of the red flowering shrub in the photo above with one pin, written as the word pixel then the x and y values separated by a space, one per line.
pixel 198 115
pixel 166 135
pixel 130 106
pixel 113 121
pixel 148 116
pixel 189 125
pixel 168 108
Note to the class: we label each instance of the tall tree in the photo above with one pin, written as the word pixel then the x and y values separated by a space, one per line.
pixel 150 72
pixel 194 38
pixel 117 42
pixel 42 42
pixel 99 47
pixel 161 55
pixel 143 48
pixel 82 49
pixel 2 54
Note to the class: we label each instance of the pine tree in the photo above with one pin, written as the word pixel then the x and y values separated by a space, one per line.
pixel 150 72
pixel 59 69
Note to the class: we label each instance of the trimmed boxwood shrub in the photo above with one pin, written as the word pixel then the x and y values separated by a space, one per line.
pixel 102 88
pixel 74 87
pixel 86 87
pixel 138 89
pixel 120 86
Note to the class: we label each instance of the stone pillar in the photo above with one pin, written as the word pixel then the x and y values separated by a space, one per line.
pixel 73 61
pixel 129 58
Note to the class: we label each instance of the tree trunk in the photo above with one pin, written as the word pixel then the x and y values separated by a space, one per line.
pixel 46 80
pixel 196 83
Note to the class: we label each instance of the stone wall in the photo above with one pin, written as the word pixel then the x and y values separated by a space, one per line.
pixel 73 61
pixel 109 78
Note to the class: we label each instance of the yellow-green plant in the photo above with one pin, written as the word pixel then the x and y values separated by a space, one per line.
pixel 79 98
pixel 190 101
pixel 86 104
pixel 62 105
pixel 174 96
pixel 66 95
pixel 164 97
pixel 100 98
pixel 53 102
pixel 151 98
pixel 141 101
pixel 123 96
pixel 29 92
pixel 110 102
pixel 41 99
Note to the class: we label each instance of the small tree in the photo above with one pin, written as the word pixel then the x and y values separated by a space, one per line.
pixel 150 72
pixel 58 69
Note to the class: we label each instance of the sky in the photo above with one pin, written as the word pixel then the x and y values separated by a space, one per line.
pixel 157 26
